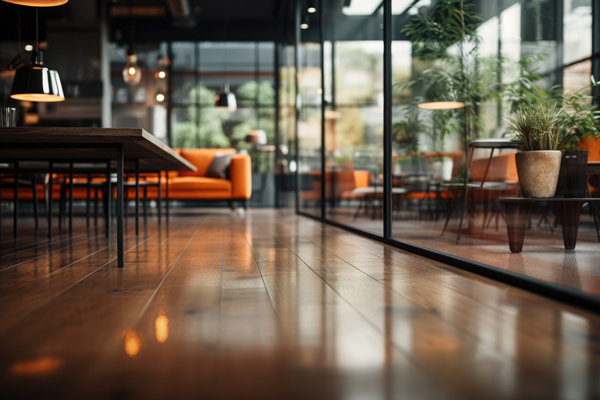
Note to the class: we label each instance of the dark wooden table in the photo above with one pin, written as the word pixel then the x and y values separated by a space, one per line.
pixel 517 210
pixel 121 149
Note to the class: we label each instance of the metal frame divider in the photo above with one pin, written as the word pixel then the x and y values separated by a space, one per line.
pixel 387 119
pixel 596 47
pixel 297 5
pixel 322 64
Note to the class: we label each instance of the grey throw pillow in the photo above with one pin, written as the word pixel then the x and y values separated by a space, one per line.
pixel 219 167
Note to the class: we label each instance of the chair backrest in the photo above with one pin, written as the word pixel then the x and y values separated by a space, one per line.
pixel 503 168
pixel 593 149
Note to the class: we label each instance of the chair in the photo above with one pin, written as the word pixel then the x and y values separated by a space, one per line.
pixel 491 144
pixel 13 183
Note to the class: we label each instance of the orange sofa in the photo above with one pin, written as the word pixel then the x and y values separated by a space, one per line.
pixel 188 185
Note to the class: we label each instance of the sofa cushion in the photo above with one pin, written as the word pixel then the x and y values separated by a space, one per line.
pixel 219 167
pixel 199 183
pixel 201 158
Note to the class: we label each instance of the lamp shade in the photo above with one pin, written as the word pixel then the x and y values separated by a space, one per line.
pixel 37 82
pixel 226 99
pixel 38 3
pixel 305 21
pixel 441 105
pixel 257 136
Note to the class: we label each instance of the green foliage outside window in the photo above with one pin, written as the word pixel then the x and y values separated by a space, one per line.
pixel 207 129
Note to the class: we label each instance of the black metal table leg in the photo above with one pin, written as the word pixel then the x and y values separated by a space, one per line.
pixel 595 213
pixel 120 240
pixel 167 195
pixel 89 198
pixel 137 197
pixel 108 201
pixel 16 201
pixel 70 199
pixel 35 201
pixel 61 200
pixel 145 204
pixel 50 195
pixel 465 210
pixel 95 207
pixel 159 201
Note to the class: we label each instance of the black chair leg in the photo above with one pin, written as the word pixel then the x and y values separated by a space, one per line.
pixel 159 204
pixel 88 199
pixel 70 199
pixel 96 207
pixel 126 203
pixel 46 199
pixel 35 201
pixel 145 204
pixel 16 201
pixel 61 205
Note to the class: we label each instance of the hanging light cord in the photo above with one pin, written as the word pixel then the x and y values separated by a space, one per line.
pixel 37 38
pixel 130 28
pixel 19 28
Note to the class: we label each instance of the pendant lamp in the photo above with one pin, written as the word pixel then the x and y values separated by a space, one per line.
pixel 37 82
pixel 38 3
pixel 132 74
pixel 160 96
pixel 162 63
pixel 256 137
pixel 441 105
pixel 226 100
pixel 311 6
pixel 305 21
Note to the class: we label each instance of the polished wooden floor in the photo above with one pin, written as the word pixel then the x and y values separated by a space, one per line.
pixel 273 306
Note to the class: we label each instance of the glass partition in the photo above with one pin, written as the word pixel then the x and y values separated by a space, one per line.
pixel 309 116
pixel 354 117
pixel 498 49
pixel 459 69
pixel 286 163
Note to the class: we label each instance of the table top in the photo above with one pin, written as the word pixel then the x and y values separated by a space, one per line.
pixel 553 199
pixel 594 166
pixel 377 189
pixel 494 143
pixel 44 144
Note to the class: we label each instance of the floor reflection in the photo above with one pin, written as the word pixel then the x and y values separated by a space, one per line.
pixel 39 366
pixel 132 342
pixel 274 306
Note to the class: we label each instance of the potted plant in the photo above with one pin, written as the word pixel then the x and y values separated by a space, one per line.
pixel 577 121
pixel 441 168
pixel 536 127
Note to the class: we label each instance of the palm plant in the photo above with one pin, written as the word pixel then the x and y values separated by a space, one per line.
pixel 450 77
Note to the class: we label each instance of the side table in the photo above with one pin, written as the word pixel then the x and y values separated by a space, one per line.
pixel 517 216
